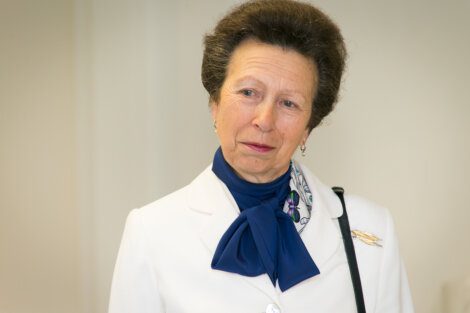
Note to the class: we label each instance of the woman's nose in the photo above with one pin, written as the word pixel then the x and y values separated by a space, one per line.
pixel 265 116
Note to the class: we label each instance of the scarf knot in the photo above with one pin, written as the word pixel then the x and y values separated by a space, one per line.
pixel 263 238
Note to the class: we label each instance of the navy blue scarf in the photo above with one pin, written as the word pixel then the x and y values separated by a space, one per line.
pixel 263 238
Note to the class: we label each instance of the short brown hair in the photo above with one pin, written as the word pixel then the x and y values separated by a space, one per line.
pixel 286 23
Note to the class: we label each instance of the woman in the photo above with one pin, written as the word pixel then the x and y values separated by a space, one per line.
pixel 256 231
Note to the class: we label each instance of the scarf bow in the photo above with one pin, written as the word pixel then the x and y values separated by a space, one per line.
pixel 263 238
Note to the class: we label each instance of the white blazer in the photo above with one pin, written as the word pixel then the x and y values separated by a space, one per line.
pixel 167 247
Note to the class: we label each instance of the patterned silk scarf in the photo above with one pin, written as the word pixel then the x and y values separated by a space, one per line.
pixel 299 200
pixel 263 238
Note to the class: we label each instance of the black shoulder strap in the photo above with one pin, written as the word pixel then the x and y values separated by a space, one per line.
pixel 350 253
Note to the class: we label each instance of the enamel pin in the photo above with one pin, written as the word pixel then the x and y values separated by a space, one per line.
pixel 367 238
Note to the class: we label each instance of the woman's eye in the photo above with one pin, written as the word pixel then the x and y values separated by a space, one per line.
pixel 247 92
pixel 288 103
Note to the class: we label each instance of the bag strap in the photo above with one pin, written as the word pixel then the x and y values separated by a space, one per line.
pixel 350 253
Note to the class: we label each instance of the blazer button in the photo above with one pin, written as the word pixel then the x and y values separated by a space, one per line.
pixel 272 308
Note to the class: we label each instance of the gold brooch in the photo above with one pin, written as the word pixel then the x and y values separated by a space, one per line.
pixel 367 238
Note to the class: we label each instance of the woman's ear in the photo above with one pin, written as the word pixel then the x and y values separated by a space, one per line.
pixel 305 136
pixel 214 110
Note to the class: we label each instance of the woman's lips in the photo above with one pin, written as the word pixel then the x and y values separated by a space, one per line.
pixel 258 147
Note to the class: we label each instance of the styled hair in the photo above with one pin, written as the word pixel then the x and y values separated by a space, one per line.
pixel 290 25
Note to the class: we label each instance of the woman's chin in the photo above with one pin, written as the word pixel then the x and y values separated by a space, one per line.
pixel 259 171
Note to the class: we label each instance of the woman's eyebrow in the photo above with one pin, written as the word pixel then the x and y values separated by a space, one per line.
pixel 252 79
pixel 248 78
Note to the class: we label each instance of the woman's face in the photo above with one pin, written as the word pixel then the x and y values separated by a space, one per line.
pixel 263 109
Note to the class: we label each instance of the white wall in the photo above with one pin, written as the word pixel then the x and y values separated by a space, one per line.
pixel 129 123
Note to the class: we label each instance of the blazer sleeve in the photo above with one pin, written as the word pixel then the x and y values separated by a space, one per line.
pixel 134 287
pixel 394 294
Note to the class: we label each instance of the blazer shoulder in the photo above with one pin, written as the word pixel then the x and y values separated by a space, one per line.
pixel 174 206
pixel 359 206
pixel 171 198
pixel 159 210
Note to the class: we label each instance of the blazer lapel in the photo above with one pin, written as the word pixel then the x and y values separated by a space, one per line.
pixel 208 195
pixel 321 236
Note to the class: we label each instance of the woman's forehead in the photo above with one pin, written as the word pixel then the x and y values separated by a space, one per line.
pixel 253 61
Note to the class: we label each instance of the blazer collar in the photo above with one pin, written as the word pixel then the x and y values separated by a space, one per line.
pixel 206 191
pixel 208 195
pixel 322 236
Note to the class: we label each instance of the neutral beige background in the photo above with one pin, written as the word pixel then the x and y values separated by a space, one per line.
pixel 39 231
pixel 102 110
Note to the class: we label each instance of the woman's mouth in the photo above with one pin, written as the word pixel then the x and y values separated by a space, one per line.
pixel 258 147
